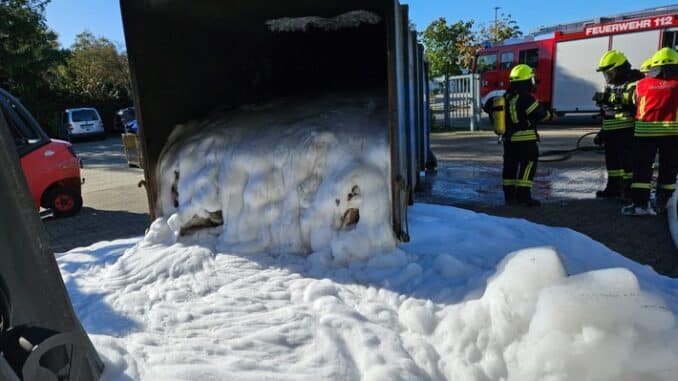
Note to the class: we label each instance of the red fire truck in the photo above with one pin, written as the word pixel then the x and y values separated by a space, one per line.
pixel 565 57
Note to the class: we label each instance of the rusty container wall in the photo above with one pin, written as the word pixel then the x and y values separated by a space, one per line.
pixel 402 190
pixel 189 57
pixel 408 105
pixel 422 129
pixel 425 105
pixel 418 109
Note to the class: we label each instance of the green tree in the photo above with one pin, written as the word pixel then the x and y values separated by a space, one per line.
pixel 95 73
pixel 29 52
pixel 95 69
pixel 505 27
pixel 446 45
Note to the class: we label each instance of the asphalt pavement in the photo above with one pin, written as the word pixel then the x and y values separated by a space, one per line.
pixel 468 176
pixel 469 173
pixel 114 206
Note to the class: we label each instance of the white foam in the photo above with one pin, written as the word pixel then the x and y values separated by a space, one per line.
pixel 281 174
pixel 184 311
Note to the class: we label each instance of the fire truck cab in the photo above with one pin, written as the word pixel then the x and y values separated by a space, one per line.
pixel 495 63
pixel 565 57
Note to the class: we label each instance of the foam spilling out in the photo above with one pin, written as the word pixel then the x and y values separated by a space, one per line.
pixel 184 312
pixel 295 176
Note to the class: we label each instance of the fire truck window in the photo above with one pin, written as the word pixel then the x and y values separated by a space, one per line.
pixel 506 60
pixel 529 57
pixel 670 39
pixel 486 63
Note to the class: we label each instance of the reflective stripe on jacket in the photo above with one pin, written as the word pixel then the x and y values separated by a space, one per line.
pixel 523 114
pixel 657 107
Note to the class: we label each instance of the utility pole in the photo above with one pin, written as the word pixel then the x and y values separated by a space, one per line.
pixel 494 32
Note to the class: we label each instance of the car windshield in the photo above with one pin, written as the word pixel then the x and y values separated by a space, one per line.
pixel 84 116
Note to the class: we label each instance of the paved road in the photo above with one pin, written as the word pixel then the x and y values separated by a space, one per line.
pixel 113 205
pixel 469 174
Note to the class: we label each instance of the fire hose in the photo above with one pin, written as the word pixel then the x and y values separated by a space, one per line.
pixel 562 155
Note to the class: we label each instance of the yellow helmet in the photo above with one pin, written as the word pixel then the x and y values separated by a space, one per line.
pixel 612 59
pixel 521 72
pixel 665 56
pixel 645 67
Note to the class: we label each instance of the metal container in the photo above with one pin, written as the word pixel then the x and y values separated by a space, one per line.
pixel 188 57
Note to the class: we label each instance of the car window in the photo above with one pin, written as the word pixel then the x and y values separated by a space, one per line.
pixel 486 63
pixel 529 57
pixel 21 131
pixel 506 60
pixel 24 121
pixel 84 116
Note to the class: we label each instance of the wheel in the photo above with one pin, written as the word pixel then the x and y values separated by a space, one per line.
pixel 64 202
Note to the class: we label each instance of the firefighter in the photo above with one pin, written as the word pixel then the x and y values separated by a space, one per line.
pixel 616 103
pixel 645 66
pixel 656 131
pixel 521 114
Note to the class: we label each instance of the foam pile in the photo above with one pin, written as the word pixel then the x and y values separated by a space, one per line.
pixel 289 177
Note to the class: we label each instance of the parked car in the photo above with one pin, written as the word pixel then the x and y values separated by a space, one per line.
pixel 126 120
pixel 83 123
pixel 51 167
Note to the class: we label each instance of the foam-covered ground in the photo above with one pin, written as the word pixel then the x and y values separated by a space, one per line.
pixel 459 302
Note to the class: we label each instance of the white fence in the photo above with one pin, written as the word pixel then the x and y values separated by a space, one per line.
pixel 463 102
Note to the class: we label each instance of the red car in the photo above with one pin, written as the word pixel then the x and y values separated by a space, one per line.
pixel 51 167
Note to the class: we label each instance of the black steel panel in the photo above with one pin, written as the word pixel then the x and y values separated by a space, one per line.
pixel 28 270
pixel 188 58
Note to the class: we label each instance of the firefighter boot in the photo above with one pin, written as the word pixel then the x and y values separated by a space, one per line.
pixel 524 198
pixel 661 199
pixel 613 188
pixel 509 194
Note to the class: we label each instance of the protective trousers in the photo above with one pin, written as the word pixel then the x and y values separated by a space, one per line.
pixel 520 166
pixel 618 158
pixel 644 151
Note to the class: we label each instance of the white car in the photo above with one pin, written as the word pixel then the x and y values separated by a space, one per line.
pixel 83 122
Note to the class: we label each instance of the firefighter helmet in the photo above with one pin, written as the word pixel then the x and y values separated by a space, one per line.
pixel 665 56
pixel 521 72
pixel 612 59
pixel 645 67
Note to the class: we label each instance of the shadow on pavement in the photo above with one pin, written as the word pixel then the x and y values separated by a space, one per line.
pixel 92 225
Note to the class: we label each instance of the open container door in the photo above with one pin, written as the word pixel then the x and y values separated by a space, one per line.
pixel 424 121
pixel 190 57
pixel 41 338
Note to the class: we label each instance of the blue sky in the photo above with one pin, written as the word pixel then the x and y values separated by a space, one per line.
pixel 102 17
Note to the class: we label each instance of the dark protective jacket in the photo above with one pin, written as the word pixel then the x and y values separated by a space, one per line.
pixel 618 105
pixel 523 112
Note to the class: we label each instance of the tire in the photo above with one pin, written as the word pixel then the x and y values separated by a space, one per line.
pixel 64 202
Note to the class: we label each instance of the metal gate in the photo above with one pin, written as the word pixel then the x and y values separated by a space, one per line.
pixel 463 102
